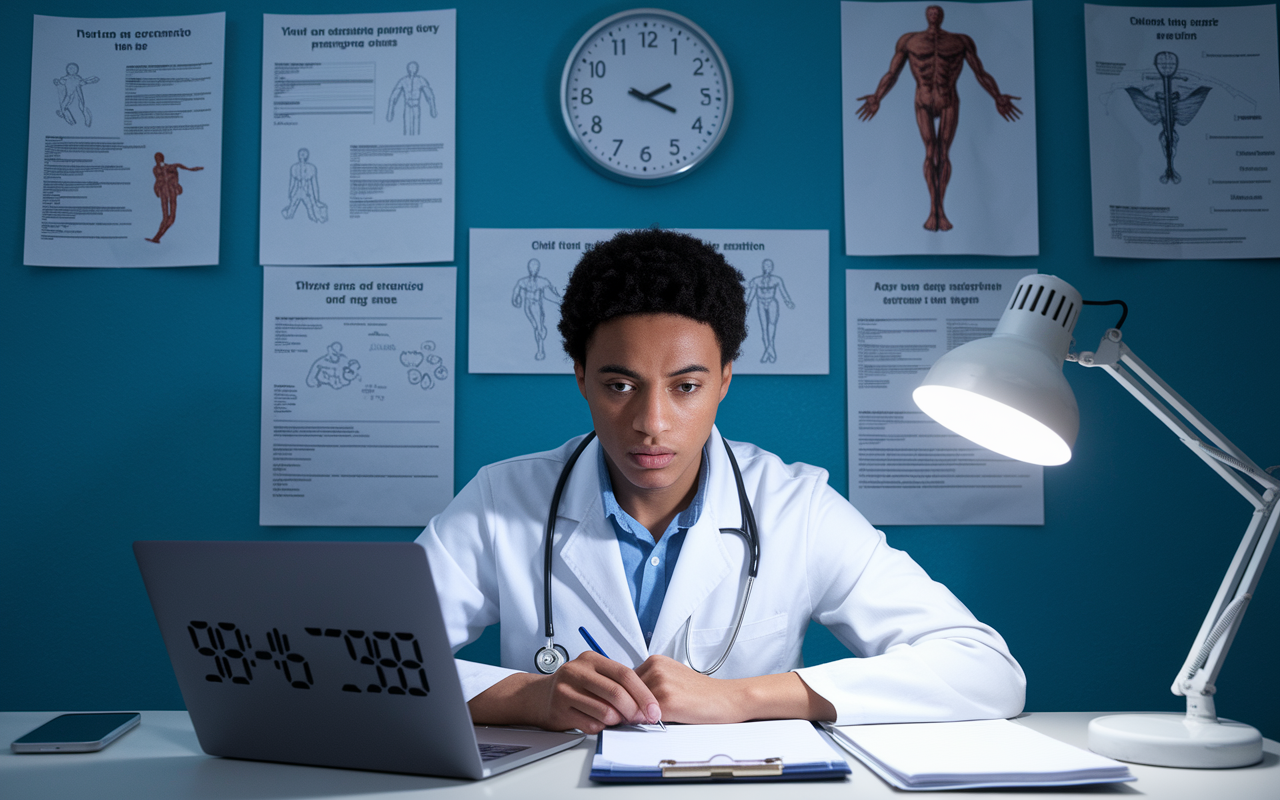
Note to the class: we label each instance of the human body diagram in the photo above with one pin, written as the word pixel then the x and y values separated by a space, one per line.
pixel 1169 108
pixel 530 293
pixel 304 189
pixel 167 188
pixel 71 92
pixel 333 369
pixel 763 290
pixel 413 88
pixel 937 57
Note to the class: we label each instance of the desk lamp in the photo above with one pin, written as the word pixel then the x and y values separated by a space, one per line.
pixel 1008 394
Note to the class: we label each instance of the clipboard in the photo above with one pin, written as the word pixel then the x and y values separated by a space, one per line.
pixel 719 768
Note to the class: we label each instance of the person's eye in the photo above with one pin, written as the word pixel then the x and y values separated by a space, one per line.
pixel 687 388
pixel 620 388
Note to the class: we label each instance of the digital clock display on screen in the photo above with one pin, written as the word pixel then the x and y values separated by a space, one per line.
pixel 389 662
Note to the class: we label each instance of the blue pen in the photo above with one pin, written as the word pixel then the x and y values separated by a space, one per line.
pixel 598 649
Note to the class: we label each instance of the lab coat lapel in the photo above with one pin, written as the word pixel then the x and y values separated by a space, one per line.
pixel 704 560
pixel 590 551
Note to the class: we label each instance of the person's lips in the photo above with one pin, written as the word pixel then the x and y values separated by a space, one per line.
pixel 651 457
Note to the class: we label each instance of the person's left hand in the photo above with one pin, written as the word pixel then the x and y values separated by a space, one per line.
pixel 689 696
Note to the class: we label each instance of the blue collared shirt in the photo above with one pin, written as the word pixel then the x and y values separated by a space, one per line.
pixel 649 565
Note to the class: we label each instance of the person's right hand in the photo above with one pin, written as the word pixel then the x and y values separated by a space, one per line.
pixel 591 693
pixel 870 105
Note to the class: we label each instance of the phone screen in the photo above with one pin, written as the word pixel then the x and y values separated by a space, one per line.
pixel 76 728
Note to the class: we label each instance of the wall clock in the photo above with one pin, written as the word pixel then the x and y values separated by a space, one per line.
pixel 646 96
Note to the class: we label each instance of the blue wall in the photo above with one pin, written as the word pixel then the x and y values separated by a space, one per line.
pixel 132 396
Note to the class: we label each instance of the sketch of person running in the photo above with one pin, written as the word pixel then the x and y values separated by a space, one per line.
pixel 413 87
pixel 304 189
pixel 71 90
pixel 167 189
pixel 530 291
pixel 764 288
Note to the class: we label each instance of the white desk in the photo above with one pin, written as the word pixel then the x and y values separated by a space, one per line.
pixel 161 758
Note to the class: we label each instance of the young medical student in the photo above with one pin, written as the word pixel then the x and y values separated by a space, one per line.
pixel 650 551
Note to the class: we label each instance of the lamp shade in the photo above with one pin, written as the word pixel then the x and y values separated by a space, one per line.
pixel 1007 392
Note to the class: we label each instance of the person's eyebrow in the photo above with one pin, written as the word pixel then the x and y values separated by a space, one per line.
pixel 687 370
pixel 616 369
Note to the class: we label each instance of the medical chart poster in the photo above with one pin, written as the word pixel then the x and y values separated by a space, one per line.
pixel 981 198
pixel 358 378
pixel 358 138
pixel 124 152
pixel 904 468
pixel 1184 126
pixel 518 277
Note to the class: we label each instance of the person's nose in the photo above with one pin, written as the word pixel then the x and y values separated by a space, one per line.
pixel 653 414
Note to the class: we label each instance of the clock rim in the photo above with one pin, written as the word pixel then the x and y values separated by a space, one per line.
pixel 590 157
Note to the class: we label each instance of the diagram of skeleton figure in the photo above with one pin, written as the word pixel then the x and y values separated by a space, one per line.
pixel 412 88
pixel 333 369
pixel 167 188
pixel 304 189
pixel 531 293
pixel 937 57
pixel 425 368
pixel 71 92
pixel 1168 108
pixel 763 290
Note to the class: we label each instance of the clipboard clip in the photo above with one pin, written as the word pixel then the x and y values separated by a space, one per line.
pixel 729 768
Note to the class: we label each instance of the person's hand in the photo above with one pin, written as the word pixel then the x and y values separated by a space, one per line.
pixel 870 105
pixel 1004 105
pixel 687 695
pixel 591 693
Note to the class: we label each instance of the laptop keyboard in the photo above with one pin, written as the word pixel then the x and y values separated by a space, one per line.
pixel 489 752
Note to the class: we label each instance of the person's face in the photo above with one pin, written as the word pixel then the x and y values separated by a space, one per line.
pixel 933 14
pixel 653 383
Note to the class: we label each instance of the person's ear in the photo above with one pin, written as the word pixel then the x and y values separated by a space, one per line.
pixel 580 372
pixel 726 375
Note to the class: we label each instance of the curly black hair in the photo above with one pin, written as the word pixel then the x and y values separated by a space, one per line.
pixel 653 271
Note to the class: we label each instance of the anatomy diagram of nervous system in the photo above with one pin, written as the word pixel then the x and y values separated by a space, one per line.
pixel 358 138
pixel 357 395
pixel 1184 109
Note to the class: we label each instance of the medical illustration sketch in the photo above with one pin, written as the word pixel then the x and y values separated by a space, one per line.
pixel 304 189
pixel 1169 108
pixel 333 369
pixel 937 58
pixel 167 189
pixel 530 293
pixel 414 89
pixel 71 91
pixel 426 377
pixel 763 291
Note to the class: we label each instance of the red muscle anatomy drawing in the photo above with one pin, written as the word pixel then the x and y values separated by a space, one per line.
pixel 937 58
pixel 167 189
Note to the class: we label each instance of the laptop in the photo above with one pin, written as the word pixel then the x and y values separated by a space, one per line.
pixel 331 654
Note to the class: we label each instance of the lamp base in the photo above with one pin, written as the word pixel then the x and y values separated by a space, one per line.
pixel 1175 740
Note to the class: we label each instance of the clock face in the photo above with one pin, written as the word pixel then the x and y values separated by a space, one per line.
pixel 646 96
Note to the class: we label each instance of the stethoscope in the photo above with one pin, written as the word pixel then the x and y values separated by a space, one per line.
pixel 552 656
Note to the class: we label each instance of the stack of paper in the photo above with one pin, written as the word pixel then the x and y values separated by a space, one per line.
pixel 970 755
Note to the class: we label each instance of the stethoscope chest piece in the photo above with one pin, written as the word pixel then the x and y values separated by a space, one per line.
pixel 550 658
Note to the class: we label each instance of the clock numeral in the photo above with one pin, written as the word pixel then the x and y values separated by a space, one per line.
pixel 645 155
pixel 675 47
pixel 585 98
pixel 229 648
pixel 675 147
pixel 619 147
pixel 648 38
pixel 300 676
pixel 619 47
pixel 597 69
pixel 396 655
pixel 697 125
pixel 706 97
pixel 698 70
pixel 596 127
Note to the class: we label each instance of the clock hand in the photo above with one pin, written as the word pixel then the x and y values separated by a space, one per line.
pixel 643 96
pixel 659 90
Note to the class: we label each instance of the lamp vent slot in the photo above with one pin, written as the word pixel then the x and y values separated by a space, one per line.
pixel 1048 301
pixel 1014 301
pixel 1061 300
pixel 1066 321
pixel 1039 291
pixel 1027 294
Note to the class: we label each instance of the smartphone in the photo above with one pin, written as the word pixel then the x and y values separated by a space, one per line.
pixel 76 733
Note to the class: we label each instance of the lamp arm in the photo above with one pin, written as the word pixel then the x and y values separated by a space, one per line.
pixel 1200 670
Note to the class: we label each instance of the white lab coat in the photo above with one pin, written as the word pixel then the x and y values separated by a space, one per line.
pixel 924 657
